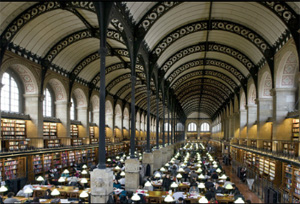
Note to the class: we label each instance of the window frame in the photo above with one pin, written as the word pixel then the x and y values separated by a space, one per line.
pixel 75 110
pixel 203 125
pixel 20 86
pixel 189 129
pixel 53 111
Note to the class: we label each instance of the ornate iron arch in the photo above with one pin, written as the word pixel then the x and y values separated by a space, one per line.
pixel 217 74
pixel 213 47
pixel 137 92
pixel 229 26
pixel 200 62
pixel 216 83
pixel 208 87
pixel 127 87
pixel 197 98
pixel 196 90
pixel 118 79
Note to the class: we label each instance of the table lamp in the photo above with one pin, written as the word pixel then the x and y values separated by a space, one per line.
pixel 117 168
pixel 215 165
pixel 28 191
pixel 203 199
pixel 122 173
pixel 174 185
pixel 117 157
pixel 108 160
pixel 199 170
pixel 40 179
pixel 162 169
pixel 167 165
pixel 122 160
pixel 61 180
pixel 201 186
pixel 228 188
pixel 157 175
pixel 218 170
pixel 180 170
pixel 84 172
pixel 66 171
pixel 3 189
pixel 135 197
pixel 179 176
pixel 201 176
pixel 55 192
pixel 84 166
pixel 84 181
pixel 83 195
pixel 223 177
pixel 169 199
pixel 239 200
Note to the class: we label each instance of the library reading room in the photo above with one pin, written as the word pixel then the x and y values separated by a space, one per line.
pixel 149 102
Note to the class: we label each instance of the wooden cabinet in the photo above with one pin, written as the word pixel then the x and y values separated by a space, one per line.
pixel 50 135
pixel 13 135
pixel 295 129
pixel 93 140
pixel 267 146
pixel 290 149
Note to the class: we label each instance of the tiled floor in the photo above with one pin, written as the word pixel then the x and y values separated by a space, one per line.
pixel 249 195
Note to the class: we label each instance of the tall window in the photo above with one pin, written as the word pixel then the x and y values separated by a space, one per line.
pixel 47 104
pixel 204 127
pixel 167 127
pixel 72 109
pixel 10 97
pixel 192 127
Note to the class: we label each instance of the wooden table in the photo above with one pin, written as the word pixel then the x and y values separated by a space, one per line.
pixel 158 197
pixel 65 191
pixel 24 199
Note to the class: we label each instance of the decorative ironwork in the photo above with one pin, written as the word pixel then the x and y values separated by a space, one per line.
pixel 85 62
pixel 211 47
pixel 205 87
pixel 220 75
pixel 154 14
pixel 213 62
pixel 117 80
pixel 185 30
pixel 207 81
pixel 127 87
pixel 280 10
pixel 204 95
pixel 137 91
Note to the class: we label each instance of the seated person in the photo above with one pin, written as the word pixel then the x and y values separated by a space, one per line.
pixel 210 194
pixel 180 200
pixel 209 184
pixel 194 190
pixel 218 188
pixel 35 200
pixel 46 182
pixel 214 176
pixel 116 184
pixel 166 182
pixel 48 194
pixel 227 182
pixel 10 198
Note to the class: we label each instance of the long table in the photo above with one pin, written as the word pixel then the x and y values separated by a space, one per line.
pixel 65 191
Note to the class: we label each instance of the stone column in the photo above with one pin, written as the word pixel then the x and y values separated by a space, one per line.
pixel 158 159
pixel 251 126
pixel 1 85
pixel 164 155
pixel 243 123
pixel 283 102
pixel 84 130
pixel 63 113
pixel 148 158
pixel 132 174
pixel 264 111
pixel 101 185
pixel 34 108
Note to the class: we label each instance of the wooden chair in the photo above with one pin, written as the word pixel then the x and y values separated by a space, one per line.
pixel 39 193
pixel 153 200
pixel 74 195
pixel 183 189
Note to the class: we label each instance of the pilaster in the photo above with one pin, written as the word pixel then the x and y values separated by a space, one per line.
pixel 101 185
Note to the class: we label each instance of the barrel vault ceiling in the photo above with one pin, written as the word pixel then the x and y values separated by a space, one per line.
pixel 204 52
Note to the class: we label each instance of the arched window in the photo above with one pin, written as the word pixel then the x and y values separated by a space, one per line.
pixel 192 127
pixel 10 94
pixel 204 127
pixel 167 127
pixel 48 104
pixel 72 109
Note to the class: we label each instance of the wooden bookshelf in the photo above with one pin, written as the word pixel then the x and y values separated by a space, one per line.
pixel 50 135
pixel 267 145
pixel 13 134
pixel 91 157
pixel 77 142
pixel 71 155
pixel 56 161
pixel 253 143
pixel 74 131
pixel 47 163
pixel 64 159
pixel 291 182
pixel 13 168
pixel 78 157
pixel 290 149
pixel 93 140
pixel 295 129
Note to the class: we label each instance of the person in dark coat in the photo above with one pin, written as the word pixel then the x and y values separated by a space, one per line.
pixel 166 183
